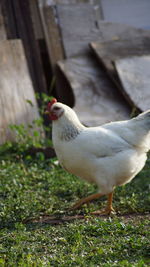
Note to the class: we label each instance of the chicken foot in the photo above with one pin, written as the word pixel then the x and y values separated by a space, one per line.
pixel 108 209
pixel 85 200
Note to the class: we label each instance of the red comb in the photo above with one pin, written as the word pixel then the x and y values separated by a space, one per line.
pixel 54 100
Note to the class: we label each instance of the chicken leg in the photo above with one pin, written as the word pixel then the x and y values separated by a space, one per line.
pixel 108 209
pixel 85 200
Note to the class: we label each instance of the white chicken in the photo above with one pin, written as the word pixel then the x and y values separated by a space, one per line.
pixel 109 155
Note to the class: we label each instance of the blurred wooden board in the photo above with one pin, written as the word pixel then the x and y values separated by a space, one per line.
pixel 2 26
pixel 68 27
pixel 113 50
pixel 51 32
pixel 15 89
pixel 82 24
pixel 134 74
pixel 108 52
pixel 36 20
pixel 135 13
pixel 97 101
pixel 52 17
pixel 79 26
pixel 18 22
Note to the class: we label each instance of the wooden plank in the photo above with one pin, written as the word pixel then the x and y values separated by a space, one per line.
pixel 55 49
pixel 2 26
pixel 51 33
pixel 75 40
pixel 116 49
pixel 134 74
pixel 110 51
pixel 96 99
pixel 15 89
pixel 79 26
pixel 26 33
pixel 116 31
pixel 9 19
pixel 105 31
pixel 36 20
pixel 19 25
pixel 135 13
pixel 53 36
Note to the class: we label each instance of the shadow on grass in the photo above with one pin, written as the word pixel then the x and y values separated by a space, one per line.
pixel 59 219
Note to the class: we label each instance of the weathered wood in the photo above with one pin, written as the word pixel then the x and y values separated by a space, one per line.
pixel 110 51
pixel 54 42
pixel 69 27
pixel 82 74
pixel 15 89
pixel 134 74
pixel 52 33
pixel 81 24
pixel 2 26
pixel 96 99
pixel 19 25
pixel 114 50
pixel 55 50
pixel 79 27
pixel 36 20
pixel 9 19
pixel 116 31
pixel 134 13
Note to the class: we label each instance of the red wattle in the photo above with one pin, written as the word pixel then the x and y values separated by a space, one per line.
pixel 53 117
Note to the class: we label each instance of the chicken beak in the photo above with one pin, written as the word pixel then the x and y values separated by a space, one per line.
pixel 49 105
pixel 46 112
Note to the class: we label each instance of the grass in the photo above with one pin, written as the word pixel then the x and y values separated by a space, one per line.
pixel 31 188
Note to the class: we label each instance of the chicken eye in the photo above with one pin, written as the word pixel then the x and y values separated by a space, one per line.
pixel 56 108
